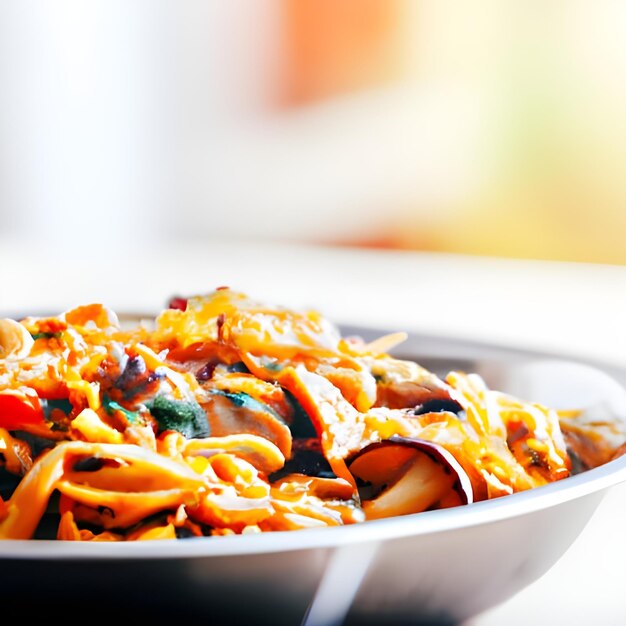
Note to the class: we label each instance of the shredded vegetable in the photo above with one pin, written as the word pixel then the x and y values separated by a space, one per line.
pixel 223 416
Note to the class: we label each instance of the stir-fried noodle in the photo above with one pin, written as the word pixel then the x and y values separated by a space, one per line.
pixel 224 416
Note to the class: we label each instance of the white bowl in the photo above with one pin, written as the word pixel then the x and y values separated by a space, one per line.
pixel 436 567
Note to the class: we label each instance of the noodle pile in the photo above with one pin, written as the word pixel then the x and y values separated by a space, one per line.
pixel 225 416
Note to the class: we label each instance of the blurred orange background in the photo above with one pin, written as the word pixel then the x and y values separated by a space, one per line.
pixel 549 171
pixel 482 128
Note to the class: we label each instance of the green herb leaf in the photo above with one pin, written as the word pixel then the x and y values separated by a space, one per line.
pixel 111 406
pixel 36 336
pixel 186 417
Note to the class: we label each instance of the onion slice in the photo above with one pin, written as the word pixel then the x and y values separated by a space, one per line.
pixel 401 476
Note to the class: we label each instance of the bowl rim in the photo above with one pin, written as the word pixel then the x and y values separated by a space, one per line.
pixel 595 481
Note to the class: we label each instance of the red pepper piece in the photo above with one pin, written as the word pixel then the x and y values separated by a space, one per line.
pixel 178 302
pixel 18 411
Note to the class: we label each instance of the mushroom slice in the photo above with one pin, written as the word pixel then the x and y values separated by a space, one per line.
pixel 402 384
pixel 400 476
pixel 231 413
pixel 15 341
pixel 267 393
pixel 591 442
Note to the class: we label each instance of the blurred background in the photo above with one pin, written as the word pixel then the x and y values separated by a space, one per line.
pixel 485 128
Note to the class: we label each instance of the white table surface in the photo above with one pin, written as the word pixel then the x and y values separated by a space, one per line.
pixel 575 309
